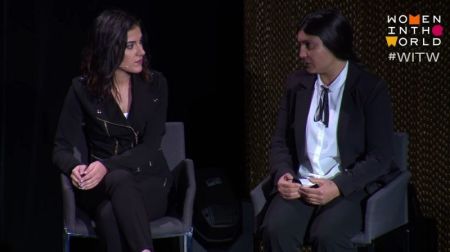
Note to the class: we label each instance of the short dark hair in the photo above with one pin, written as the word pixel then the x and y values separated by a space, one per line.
pixel 333 29
pixel 105 50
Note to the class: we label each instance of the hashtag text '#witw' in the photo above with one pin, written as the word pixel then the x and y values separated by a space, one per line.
pixel 416 57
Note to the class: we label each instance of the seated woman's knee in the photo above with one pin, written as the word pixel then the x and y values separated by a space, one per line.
pixel 326 238
pixel 274 227
pixel 118 178
pixel 105 213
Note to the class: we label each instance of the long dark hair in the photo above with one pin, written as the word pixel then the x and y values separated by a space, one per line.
pixel 333 29
pixel 106 49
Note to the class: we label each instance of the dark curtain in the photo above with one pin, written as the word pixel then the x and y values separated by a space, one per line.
pixel 196 44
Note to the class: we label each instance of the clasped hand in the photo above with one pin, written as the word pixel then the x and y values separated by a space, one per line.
pixel 325 191
pixel 87 177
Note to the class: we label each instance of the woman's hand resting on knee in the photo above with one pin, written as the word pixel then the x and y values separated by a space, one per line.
pixel 77 175
pixel 325 192
pixel 287 188
pixel 88 177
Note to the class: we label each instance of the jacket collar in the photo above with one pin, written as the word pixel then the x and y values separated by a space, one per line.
pixel 112 110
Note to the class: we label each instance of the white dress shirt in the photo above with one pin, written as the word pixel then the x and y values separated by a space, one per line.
pixel 321 142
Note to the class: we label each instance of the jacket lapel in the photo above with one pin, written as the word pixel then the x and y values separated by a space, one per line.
pixel 146 98
pixel 302 101
pixel 346 112
pixel 111 111
pixel 139 104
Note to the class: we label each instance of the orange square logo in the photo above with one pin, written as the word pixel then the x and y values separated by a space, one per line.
pixel 414 20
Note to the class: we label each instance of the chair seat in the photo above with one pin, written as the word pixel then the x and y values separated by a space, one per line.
pixel 82 226
pixel 162 227
pixel 82 229
pixel 168 227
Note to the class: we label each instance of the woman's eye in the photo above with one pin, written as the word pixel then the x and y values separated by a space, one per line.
pixel 130 45
pixel 311 46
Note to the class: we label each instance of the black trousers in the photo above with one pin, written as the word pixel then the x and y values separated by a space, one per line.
pixel 289 223
pixel 122 206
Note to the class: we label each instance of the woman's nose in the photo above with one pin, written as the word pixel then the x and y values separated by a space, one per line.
pixel 301 53
pixel 141 50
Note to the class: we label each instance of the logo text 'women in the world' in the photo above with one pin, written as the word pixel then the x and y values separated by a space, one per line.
pixel 414 30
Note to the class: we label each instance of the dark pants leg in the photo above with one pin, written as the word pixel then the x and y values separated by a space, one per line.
pixel 285 224
pixel 108 229
pixel 329 228
pixel 132 201
pixel 336 223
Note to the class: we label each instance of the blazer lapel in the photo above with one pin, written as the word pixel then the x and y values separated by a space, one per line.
pixel 140 104
pixel 347 109
pixel 302 101
pixel 111 111
pixel 146 98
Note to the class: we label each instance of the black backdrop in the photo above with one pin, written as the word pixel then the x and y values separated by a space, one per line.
pixel 196 44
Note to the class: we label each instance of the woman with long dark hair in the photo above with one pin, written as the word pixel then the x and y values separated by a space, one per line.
pixel 332 144
pixel 109 135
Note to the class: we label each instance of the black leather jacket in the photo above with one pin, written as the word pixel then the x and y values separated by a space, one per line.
pixel 92 129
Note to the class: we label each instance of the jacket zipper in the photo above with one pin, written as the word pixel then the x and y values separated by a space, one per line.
pixel 96 157
pixel 120 125
pixel 106 128
pixel 116 149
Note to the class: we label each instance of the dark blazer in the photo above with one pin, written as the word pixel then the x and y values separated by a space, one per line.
pixel 92 128
pixel 364 134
